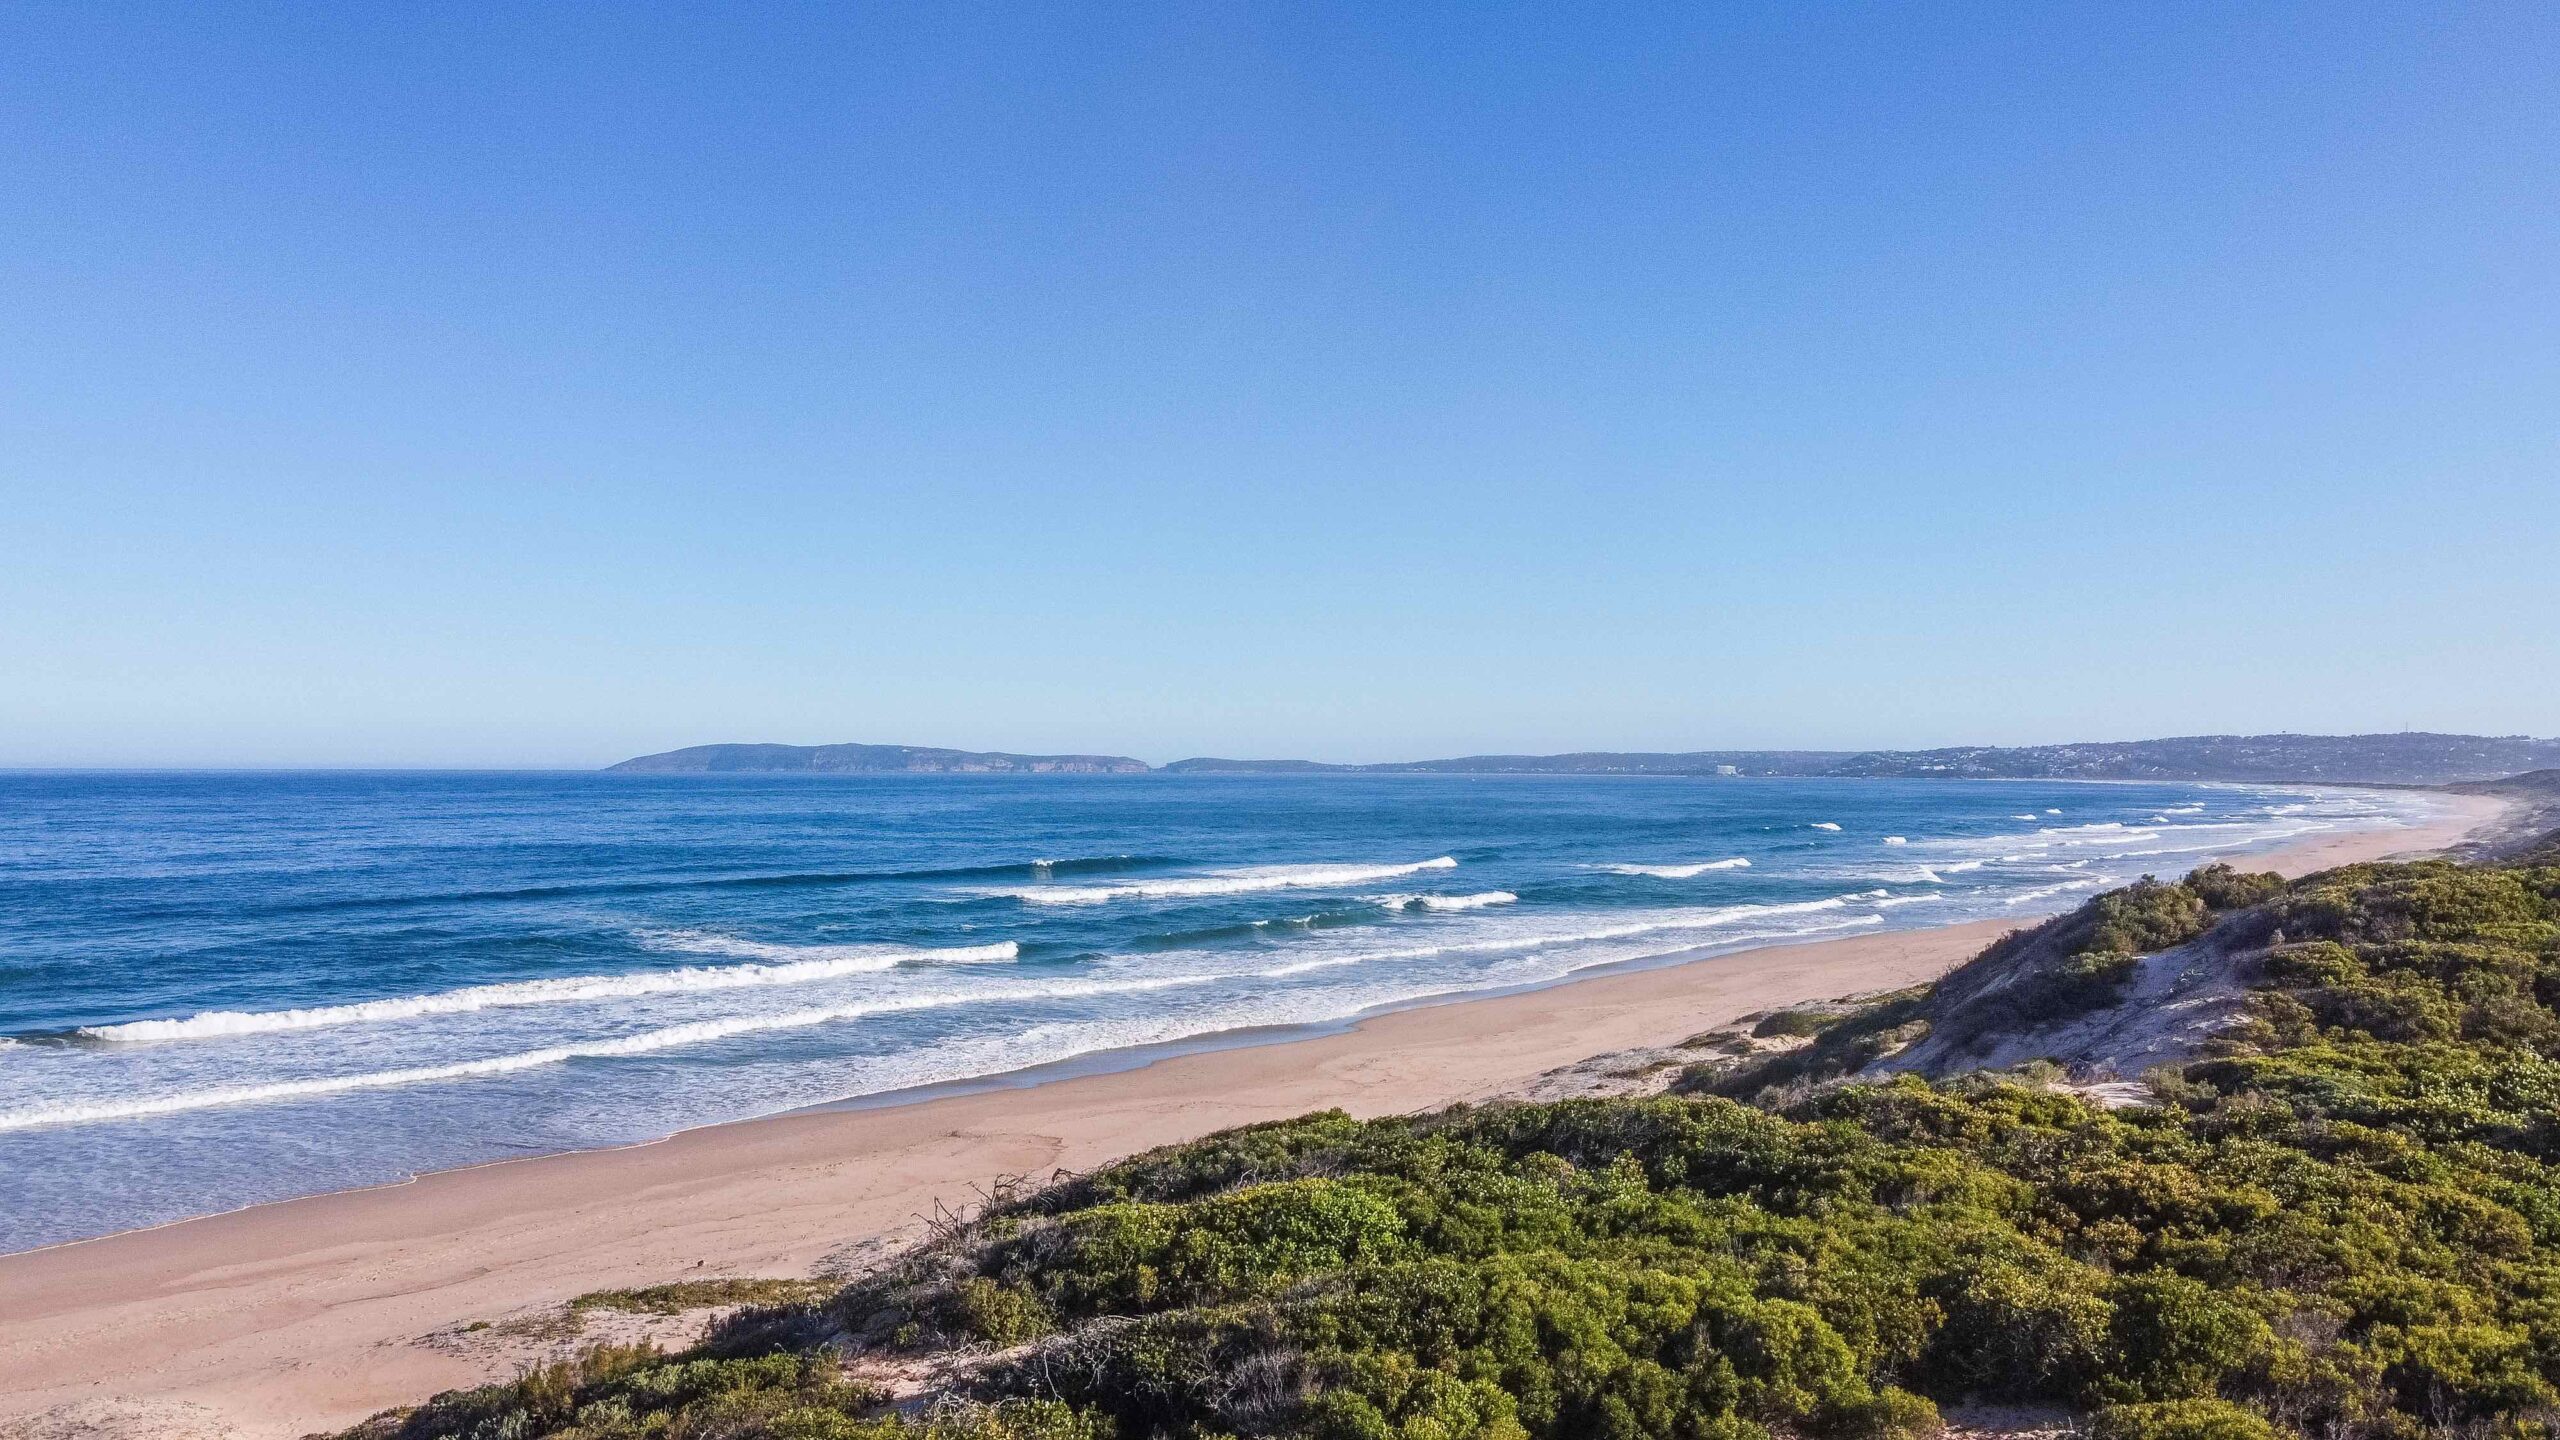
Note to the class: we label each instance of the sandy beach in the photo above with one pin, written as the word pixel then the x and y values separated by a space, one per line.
pixel 309 1314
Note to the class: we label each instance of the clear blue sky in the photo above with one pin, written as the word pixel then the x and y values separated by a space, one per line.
pixel 541 384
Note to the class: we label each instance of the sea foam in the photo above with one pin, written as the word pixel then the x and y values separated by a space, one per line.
pixel 1534 937
pixel 698 1032
pixel 1445 902
pixel 1679 872
pixel 1225 882
pixel 812 963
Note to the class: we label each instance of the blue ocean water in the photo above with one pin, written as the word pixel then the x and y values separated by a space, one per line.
pixel 218 989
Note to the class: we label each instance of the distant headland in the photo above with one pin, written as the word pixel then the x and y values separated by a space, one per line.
pixel 2406 758
pixel 879 759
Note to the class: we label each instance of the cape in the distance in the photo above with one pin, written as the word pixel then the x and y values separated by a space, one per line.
pixel 2407 758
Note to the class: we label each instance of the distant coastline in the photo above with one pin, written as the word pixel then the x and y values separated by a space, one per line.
pixel 2405 758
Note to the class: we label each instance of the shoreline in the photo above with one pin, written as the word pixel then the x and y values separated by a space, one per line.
pixel 306 1314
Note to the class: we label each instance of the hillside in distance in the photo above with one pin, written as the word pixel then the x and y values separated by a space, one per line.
pixel 2407 758
pixel 875 759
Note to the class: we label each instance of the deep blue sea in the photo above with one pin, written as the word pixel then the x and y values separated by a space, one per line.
pixel 224 988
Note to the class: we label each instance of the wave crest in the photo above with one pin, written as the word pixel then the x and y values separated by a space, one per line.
pixel 1679 872
pixel 1446 902
pixel 799 966
pixel 695 1033
pixel 1225 882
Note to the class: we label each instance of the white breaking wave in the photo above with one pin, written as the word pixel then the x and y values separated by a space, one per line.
pixel 1824 825
pixel 1224 882
pixel 812 962
pixel 855 958
pixel 1445 902
pixel 1656 923
pixel 708 1031
pixel 1679 872
pixel 1897 874
pixel 1896 840
pixel 696 1033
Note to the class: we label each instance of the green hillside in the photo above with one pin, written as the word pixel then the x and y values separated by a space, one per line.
pixel 2340 1222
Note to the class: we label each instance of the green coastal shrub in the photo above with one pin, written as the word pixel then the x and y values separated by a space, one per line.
pixel 2195 1419
pixel 2172 1337
pixel 998 1314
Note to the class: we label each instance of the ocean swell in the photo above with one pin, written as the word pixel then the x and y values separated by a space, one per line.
pixel 815 962
pixel 670 1037
pixel 1445 902
pixel 1224 882
pixel 1679 872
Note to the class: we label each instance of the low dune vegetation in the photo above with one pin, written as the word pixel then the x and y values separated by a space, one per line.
pixel 2339 1220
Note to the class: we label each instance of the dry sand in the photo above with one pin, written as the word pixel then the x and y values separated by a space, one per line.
pixel 311 1314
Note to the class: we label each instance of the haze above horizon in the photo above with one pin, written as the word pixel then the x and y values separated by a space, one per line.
pixel 394 385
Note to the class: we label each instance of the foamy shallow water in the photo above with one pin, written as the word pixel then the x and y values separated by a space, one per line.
pixel 220 989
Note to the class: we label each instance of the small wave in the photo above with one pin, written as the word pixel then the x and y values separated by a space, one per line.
pixel 2030 816
pixel 800 965
pixel 1027 870
pixel 2050 836
pixel 1212 935
pixel 1824 825
pixel 1445 902
pixel 698 1032
pixel 854 958
pixel 1962 866
pixel 1717 918
pixel 1897 840
pixel 1679 872
pixel 1225 882
pixel 1889 874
